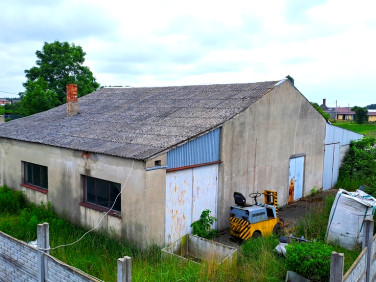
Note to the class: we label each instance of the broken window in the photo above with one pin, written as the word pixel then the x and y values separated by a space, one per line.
pixel 102 192
pixel 36 175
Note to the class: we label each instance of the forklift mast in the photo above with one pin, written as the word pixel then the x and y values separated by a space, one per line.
pixel 270 198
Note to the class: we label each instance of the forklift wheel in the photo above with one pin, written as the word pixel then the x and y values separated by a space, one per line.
pixel 256 234
pixel 277 230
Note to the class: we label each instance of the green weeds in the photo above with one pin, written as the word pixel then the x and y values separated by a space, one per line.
pixel 97 253
pixel 359 166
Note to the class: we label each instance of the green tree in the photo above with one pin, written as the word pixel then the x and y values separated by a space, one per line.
pixel 318 108
pixel 37 98
pixel 59 64
pixel 2 110
pixel 371 107
pixel 360 114
pixel 290 78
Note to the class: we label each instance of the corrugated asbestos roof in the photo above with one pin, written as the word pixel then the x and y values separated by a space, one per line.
pixel 137 123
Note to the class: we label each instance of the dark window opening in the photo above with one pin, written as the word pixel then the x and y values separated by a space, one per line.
pixel 158 163
pixel 36 175
pixel 102 193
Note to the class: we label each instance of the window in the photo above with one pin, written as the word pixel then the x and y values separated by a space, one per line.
pixel 36 175
pixel 102 192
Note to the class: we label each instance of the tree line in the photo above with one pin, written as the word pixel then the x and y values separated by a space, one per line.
pixel 57 64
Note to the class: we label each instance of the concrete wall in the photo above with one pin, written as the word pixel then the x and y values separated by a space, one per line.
pixel 141 201
pixel 257 144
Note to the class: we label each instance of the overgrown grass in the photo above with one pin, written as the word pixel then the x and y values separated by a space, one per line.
pixel 359 166
pixel 313 226
pixel 260 263
pixel 97 253
pixel 368 129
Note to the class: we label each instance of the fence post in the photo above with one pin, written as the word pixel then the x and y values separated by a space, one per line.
pixel 124 269
pixel 336 267
pixel 367 242
pixel 43 242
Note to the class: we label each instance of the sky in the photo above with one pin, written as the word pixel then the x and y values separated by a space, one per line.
pixel 328 47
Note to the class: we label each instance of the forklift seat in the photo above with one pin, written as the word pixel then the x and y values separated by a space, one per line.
pixel 240 200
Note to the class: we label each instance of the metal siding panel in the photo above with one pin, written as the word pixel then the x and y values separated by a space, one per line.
pixel 205 190
pixel 335 164
pixel 178 216
pixel 204 149
pixel 328 167
pixel 336 134
pixel 329 134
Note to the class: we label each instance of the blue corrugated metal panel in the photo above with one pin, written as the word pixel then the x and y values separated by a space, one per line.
pixel 204 149
pixel 336 134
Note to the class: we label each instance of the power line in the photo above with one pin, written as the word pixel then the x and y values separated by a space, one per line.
pixel 78 240
pixel 8 92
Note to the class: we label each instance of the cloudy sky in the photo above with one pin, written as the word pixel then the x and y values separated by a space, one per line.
pixel 328 47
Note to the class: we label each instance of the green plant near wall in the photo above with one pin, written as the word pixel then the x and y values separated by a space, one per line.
pixel 202 227
pixel 312 260
pixel 359 166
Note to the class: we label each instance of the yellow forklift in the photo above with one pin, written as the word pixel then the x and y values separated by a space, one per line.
pixel 255 220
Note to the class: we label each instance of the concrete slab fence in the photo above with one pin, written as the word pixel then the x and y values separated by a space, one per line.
pixel 364 267
pixel 22 262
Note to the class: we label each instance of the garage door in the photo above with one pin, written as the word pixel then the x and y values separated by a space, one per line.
pixel 188 193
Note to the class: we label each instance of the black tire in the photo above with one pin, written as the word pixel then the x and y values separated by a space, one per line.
pixel 277 230
pixel 256 234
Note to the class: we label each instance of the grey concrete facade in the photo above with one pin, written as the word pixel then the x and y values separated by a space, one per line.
pixel 142 213
pixel 257 144
pixel 255 148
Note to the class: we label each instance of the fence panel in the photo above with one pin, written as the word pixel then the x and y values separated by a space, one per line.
pixel 18 260
pixel 357 271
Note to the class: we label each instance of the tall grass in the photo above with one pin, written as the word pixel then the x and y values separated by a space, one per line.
pixel 313 224
pixel 97 253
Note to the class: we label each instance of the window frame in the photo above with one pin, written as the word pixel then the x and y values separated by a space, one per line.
pixel 95 204
pixel 43 176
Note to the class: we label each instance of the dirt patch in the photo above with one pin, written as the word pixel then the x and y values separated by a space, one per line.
pixel 290 214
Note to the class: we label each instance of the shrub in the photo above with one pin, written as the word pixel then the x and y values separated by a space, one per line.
pixel 312 260
pixel 202 227
pixel 11 201
pixel 359 166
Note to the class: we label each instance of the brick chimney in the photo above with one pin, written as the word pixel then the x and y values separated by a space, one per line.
pixel 324 102
pixel 72 101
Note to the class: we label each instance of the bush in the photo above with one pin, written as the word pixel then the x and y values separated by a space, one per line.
pixel 11 201
pixel 359 166
pixel 312 260
pixel 202 227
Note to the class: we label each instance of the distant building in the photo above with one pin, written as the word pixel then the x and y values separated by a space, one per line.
pixel 4 101
pixel 345 113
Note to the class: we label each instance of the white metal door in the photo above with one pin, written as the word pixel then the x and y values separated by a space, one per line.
pixel 188 193
pixel 205 181
pixel 296 178
pixel 331 165
pixel 178 216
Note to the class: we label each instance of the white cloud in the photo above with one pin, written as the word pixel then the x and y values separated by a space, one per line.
pixel 327 46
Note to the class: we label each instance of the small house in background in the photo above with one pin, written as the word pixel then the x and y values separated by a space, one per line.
pixel 345 113
pixel 172 151
pixel 4 102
